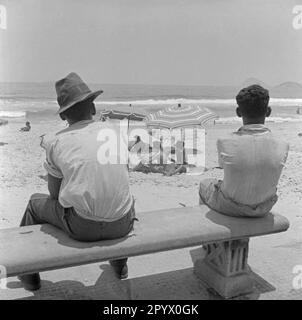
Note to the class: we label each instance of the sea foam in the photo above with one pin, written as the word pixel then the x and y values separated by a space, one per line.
pixel 12 114
pixel 208 102
pixel 229 120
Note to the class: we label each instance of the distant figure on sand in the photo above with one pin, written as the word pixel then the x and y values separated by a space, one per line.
pixel 89 198
pixel 136 142
pixel 252 160
pixel 3 122
pixel 27 127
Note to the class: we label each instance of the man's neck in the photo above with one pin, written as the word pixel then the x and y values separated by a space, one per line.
pixel 247 121
pixel 71 122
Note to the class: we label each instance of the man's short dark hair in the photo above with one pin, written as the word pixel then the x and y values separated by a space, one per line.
pixel 79 111
pixel 253 101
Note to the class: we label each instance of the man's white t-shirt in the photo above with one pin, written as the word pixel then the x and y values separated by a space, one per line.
pixel 96 191
pixel 252 160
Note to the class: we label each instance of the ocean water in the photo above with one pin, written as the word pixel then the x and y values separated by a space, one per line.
pixel 37 101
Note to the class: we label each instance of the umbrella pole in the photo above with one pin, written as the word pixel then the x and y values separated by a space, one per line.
pixel 128 134
pixel 129 117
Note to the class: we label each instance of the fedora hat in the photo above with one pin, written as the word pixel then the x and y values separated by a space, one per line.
pixel 71 90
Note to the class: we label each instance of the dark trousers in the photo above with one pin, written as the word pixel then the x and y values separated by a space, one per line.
pixel 43 209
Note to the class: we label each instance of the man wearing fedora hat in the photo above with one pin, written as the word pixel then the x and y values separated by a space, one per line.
pixel 88 200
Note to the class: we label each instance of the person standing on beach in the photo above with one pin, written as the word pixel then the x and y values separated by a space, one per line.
pixel 88 200
pixel 252 160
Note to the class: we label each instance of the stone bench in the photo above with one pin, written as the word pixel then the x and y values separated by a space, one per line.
pixel 225 239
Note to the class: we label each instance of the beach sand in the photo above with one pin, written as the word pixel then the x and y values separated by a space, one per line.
pixel 21 171
pixel 272 258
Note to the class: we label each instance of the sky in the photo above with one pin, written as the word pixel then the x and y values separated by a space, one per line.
pixel 177 42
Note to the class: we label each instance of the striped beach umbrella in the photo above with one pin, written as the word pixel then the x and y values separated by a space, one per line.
pixel 180 116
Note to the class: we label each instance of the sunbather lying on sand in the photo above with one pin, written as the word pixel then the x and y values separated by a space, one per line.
pixel 252 160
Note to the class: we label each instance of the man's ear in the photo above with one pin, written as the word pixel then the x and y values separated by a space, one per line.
pixel 268 112
pixel 238 112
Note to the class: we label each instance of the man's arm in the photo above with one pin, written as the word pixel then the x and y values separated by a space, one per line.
pixel 54 185
pixel 55 175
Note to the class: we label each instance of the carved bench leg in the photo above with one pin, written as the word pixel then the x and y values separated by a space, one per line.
pixel 225 268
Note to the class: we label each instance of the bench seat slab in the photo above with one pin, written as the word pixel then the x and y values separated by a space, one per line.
pixel 44 247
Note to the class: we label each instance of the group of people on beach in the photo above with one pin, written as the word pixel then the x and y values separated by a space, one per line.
pixel 157 158
pixel 91 201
